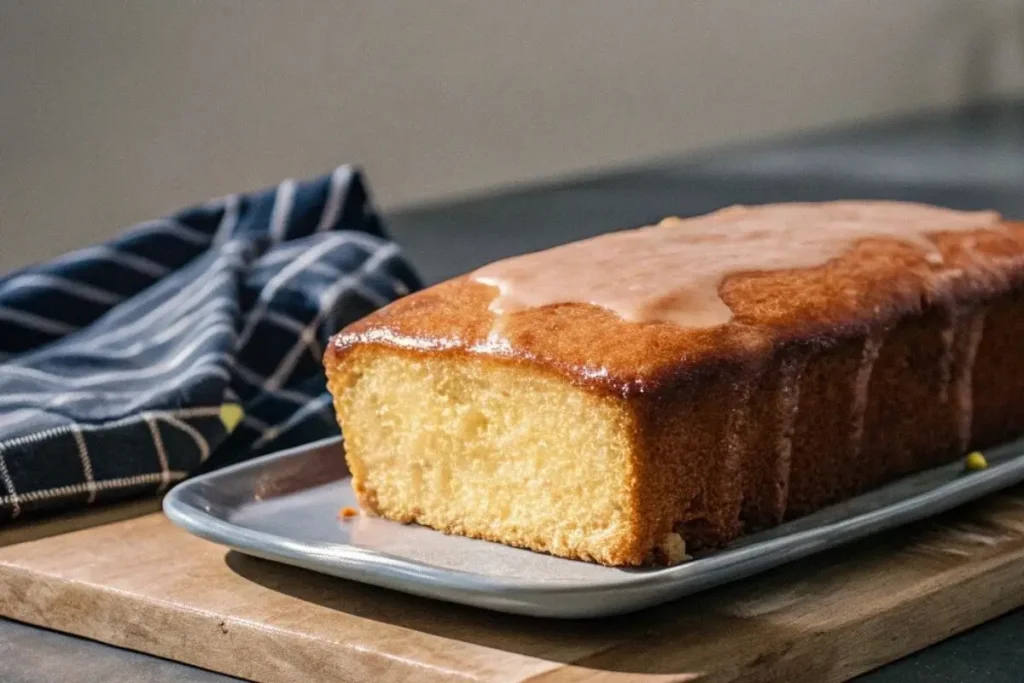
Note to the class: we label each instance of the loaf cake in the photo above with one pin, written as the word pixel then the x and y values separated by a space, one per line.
pixel 635 396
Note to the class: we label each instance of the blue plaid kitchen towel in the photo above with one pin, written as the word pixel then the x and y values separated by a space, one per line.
pixel 185 344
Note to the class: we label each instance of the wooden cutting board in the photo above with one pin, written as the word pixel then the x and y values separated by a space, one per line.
pixel 142 584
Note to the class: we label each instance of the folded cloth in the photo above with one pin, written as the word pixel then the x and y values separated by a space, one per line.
pixel 184 344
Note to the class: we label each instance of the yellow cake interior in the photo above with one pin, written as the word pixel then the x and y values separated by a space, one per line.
pixel 486 449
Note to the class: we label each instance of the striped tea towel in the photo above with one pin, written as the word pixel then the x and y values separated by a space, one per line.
pixel 184 344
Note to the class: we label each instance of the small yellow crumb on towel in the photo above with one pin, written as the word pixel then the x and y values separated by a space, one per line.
pixel 231 414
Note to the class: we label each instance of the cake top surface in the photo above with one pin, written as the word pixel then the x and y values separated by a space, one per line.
pixel 650 308
pixel 672 271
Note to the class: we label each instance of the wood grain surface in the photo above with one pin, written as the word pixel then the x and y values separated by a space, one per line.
pixel 141 583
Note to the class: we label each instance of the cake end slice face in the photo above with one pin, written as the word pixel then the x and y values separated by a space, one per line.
pixel 491 449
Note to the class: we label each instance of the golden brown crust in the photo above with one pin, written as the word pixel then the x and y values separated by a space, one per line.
pixel 876 284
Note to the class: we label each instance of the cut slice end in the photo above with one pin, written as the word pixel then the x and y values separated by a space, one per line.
pixel 490 450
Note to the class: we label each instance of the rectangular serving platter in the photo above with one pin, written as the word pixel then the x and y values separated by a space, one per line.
pixel 284 507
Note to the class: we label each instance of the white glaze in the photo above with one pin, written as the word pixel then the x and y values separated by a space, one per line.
pixel 947 359
pixel 861 387
pixel 736 428
pixel 671 272
pixel 965 377
pixel 787 407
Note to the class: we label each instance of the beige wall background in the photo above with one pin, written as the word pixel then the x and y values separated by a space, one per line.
pixel 113 111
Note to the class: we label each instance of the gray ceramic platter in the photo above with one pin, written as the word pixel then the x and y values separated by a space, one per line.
pixel 284 507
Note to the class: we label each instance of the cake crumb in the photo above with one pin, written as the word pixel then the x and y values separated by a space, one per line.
pixel 672 549
pixel 346 512
pixel 975 461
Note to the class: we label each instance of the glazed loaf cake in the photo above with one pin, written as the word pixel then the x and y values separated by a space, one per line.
pixel 627 397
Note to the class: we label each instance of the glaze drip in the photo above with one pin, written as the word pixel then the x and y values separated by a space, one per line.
pixel 946 360
pixel 861 385
pixel 787 405
pixel 964 384
pixel 736 441
pixel 672 271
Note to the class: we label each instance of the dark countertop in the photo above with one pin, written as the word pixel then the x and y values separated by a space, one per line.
pixel 971 158
pixel 968 159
